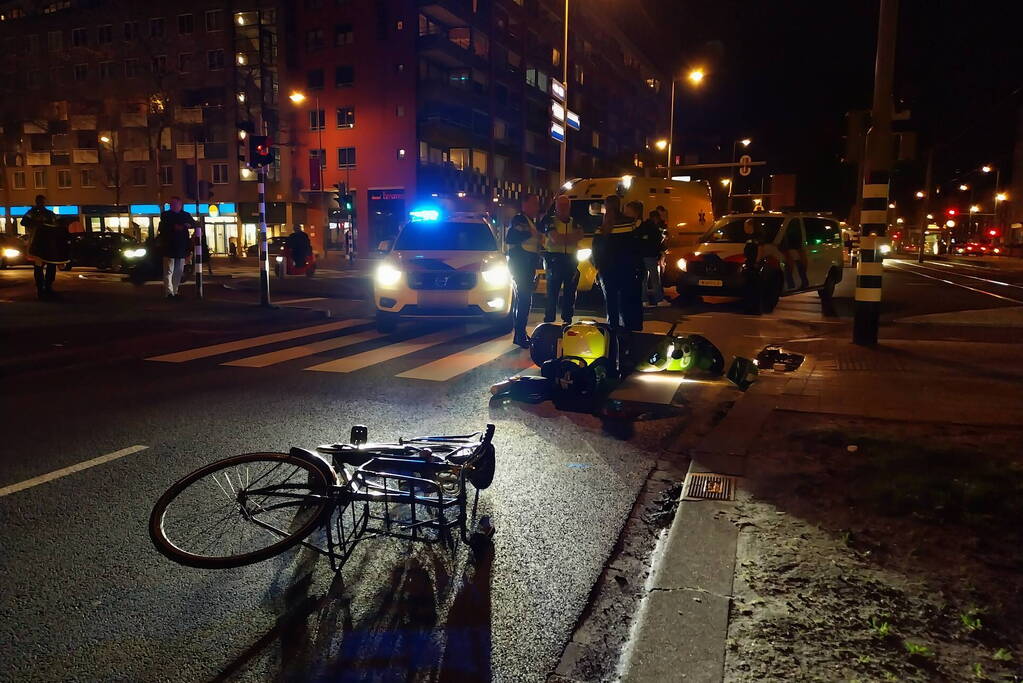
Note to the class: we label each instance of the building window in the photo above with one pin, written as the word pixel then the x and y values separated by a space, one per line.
pixel 343 35
pixel 220 174
pixel 55 41
pixel 185 62
pixel 399 111
pixel 596 140
pixel 314 79
pixel 107 71
pixel 400 26
pixel 160 64
pixel 215 60
pixel 317 119
pixel 138 176
pixel 106 34
pixel 531 77
pixel 79 37
pixel 314 40
pixel 214 20
pixel 132 68
pixel 580 75
pixel 346 157
pixel 39 178
pixel 344 76
pixel 400 68
pixel 401 153
pixel 63 179
pixel 346 117
pixel 87 178
pixel 131 30
pixel 320 154
pixel 186 24
pixel 555 56
pixel 80 72
pixel 19 180
pixel 156 27
pixel 166 175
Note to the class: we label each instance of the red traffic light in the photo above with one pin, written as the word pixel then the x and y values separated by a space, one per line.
pixel 952 212
pixel 993 232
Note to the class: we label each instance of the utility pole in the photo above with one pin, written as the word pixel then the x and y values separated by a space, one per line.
pixel 199 224
pixel 671 126
pixel 877 175
pixel 925 205
pixel 564 81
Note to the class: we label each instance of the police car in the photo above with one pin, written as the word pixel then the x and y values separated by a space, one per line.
pixel 444 267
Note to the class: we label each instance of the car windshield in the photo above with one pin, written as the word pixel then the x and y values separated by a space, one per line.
pixel 733 229
pixel 445 236
pixel 588 213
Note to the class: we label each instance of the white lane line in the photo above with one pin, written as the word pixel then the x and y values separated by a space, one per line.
pixel 293 352
pixel 956 284
pixel 972 277
pixel 300 301
pixel 459 363
pixel 228 347
pixel 63 472
pixel 390 352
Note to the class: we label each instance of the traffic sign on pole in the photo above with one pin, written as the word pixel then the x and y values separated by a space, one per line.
pixel 744 165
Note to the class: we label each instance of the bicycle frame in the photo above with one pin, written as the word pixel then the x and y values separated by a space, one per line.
pixel 400 491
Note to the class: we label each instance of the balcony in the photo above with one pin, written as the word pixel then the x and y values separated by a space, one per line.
pixel 83 122
pixel 136 154
pixel 448 12
pixel 441 50
pixel 467 93
pixel 33 127
pixel 85 156
pixel 37 159
pixel 186 150
pixel 133 120
pixel 447 179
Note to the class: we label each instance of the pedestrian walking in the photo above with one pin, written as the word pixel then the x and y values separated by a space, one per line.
pixel 523 241
pixel 561 242
pixel 650 238
pixel 620 265
pixel 175 243
pixel 232 250
pixel 48 246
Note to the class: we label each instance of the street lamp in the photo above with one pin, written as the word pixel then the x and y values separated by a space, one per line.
pixel 661 144
pixel 964 187
pixel 695 77
pixel 919 194
pixel 104 139
pixel 726 181
pixel 1001 197
pixel 745 142
pixel 985 168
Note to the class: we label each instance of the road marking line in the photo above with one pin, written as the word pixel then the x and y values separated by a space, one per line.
pixel 228 347
pixel 301 301
pixel 264 359
pixel 459 363
pixel 956 284
pixel 386 353
pixel 57 474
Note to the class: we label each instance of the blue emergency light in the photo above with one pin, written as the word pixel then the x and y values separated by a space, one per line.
pixel 424 214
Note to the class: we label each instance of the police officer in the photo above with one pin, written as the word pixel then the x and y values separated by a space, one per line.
pixel 561 242
pixel 523 258
pixel 620 265
pixel 47 245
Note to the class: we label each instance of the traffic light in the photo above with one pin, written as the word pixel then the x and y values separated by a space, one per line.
pixel 994 232
pixel 261 150
pixel 952 212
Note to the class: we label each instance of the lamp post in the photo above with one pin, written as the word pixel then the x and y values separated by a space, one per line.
pixel 695 77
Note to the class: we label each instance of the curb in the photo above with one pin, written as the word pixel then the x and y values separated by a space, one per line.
pixel 681 628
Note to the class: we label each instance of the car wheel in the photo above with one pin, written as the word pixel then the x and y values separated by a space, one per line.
pixel 386 322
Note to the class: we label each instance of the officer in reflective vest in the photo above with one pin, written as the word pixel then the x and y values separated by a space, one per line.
pixel 561 242
pixel 620 265
pixel 523 258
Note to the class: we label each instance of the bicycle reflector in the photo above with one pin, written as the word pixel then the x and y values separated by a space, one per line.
pixel 359 436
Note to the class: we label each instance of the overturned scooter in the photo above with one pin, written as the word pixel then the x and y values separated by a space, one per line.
pixel 694 354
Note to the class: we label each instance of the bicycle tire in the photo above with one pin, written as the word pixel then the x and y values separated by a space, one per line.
pixel 315 514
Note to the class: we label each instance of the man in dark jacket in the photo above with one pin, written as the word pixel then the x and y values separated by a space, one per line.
pixel 620 264
pixel 650 240
pixel 523 259
pixel 299 245
pixel 174 241
pixel 47 245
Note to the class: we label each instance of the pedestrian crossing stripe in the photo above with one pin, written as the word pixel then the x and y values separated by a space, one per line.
pixel 292 352
pixel 459 363
pixel 241 344
pixel 386 353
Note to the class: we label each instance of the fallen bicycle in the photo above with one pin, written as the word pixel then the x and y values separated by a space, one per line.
pixel 248 508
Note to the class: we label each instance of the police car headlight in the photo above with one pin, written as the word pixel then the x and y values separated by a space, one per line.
pixel 681 263
pixel 387 275
pixel 497 275
pixel 11 253
pixel 885 249
pixel 583 254
pixel 134 253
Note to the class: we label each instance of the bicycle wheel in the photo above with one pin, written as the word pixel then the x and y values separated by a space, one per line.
pixel 240 510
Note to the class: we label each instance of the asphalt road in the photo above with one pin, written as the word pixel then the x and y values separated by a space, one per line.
pixel 86 597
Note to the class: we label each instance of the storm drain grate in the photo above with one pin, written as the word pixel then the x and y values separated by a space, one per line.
pixel 706 486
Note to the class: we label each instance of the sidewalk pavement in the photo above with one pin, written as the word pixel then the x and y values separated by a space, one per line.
pixel 682 626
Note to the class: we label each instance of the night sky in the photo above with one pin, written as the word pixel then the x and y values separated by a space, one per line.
pixel 784 73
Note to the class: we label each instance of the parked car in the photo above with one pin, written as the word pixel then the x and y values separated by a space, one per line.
pixel 719 264
pixel 13 251
pixel 105 251
pixel 274 247
pixel 974 248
